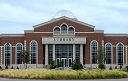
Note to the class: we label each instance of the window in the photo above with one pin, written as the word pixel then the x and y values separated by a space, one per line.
pixel 94 48
pixel 64 29
pixel 57 30
pixel 71 30
pixel 19 49
pixel 33 52
pixel 120 51
pixel 7 52
pixel 108 52
pixel 77 49
pixel 50 53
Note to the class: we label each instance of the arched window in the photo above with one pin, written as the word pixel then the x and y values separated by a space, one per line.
pixel 64 29
pixel 120 53
pixel 7 53
pixel 108 53
pixel 57 30
pixel 19 49
pixel 70 30
pixel 94 48
pixel 33 52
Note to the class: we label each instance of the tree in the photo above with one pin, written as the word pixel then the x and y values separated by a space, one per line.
pixel 25 56
pixel 101 58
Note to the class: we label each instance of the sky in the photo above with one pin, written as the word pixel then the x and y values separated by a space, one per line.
pixel 19 15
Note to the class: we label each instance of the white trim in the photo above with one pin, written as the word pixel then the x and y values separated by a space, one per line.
pixel 46 54
pixel 16 51
pixel 1 55
pixel 25 45
pixel 120 35
pixel 28 31
pixel 60 18
pixel 111 52
pixel 12 35
pixel 36 51
pixel 74 52
pixel 126 54
pixel 10 53
pixel 117 54
pixel 42 32
pixel 54 52
pixel 67 32
pixel 81 53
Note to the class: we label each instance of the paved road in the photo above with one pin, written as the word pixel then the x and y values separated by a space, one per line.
pixel 6 79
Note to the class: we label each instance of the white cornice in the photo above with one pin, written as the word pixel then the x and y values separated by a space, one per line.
pixel 64 17
pixel 12 35
pixel 28 31
pixel 116 34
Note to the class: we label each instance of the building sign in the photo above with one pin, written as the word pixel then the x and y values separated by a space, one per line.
pixel 63 40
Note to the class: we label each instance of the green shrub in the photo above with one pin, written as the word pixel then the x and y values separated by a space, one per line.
pixel 6 67
pixel 59 64
pixel 120 67
pixel 101 66
pixel 12 67
pixel 77 66
pixel 0 67
pixel 62 74
pixel 115 67
pixel 17 67
pixel 52 65
pixel 127 67
pixel 110 68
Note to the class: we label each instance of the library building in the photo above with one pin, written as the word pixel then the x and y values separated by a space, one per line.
pixel 64 38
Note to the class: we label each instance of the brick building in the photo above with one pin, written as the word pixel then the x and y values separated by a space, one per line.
pixel 64 39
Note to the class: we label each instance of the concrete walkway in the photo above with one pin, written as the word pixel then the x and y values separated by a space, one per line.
pixel 8 79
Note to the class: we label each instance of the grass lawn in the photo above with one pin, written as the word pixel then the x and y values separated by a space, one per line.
pixel 62 74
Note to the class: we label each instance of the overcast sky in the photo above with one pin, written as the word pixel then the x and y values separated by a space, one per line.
pixel 19 15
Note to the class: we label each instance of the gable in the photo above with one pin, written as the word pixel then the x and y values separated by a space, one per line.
pixel 78 25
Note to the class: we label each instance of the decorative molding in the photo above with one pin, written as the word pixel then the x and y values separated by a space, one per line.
pixel 12 35
pixel 64 17
pixel 119 35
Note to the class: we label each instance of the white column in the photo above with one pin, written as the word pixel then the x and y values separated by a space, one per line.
pixel 54 52
pixel 24 44
pixel 81 54
pixel 103 50
pixel 126 55
pixel 74 53
pixel 1 56
pixel 46 54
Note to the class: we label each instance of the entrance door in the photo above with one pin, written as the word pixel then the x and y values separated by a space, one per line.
pixel 66 62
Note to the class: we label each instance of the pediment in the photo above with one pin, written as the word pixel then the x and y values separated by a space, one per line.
pixel 66 18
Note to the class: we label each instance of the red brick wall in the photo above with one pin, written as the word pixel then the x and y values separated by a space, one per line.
pixel 49 27
pixel 114 40
pixel 37 37
pixel 89 37
pixel 13 41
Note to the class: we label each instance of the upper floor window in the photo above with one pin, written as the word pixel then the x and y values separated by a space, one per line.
pixel 108 53
pixel 70 30
pixel 57 30
pixel 64 29
pixel 94 48
pixel 120 54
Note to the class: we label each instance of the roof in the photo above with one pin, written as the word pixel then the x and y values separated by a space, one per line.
pixel 64 17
